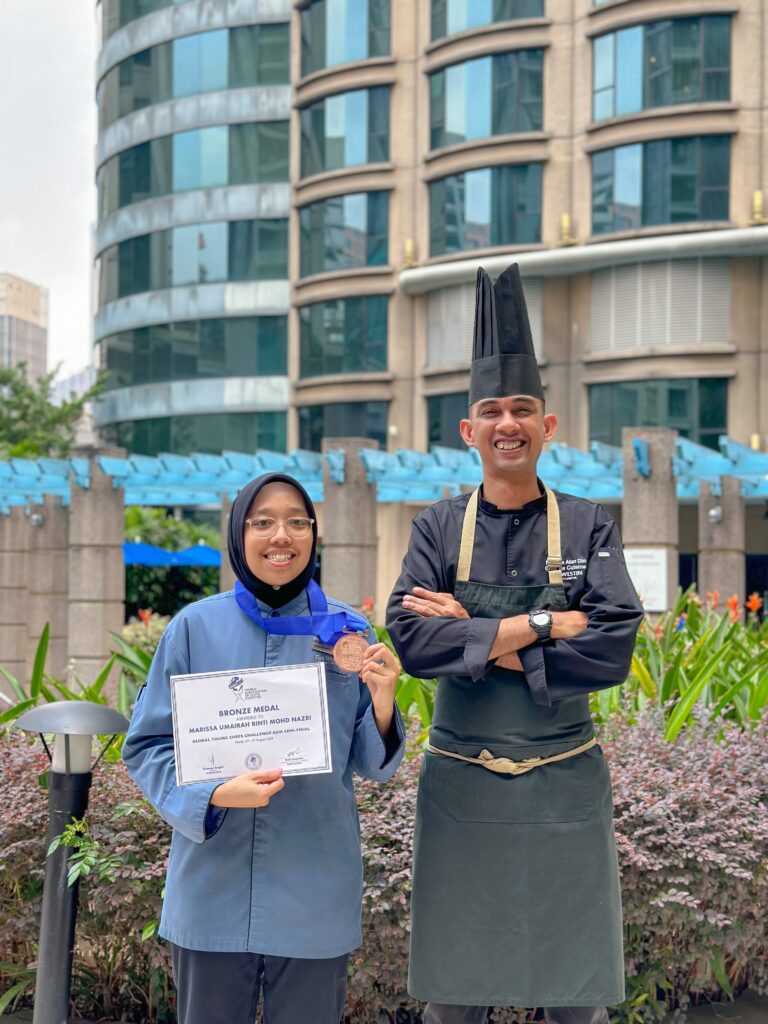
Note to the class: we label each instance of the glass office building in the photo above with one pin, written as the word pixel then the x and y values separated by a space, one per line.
pixel 294 198
pixel 192 239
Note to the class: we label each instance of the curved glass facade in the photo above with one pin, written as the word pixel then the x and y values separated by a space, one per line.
pixel 488 207
pixel 660 64
pixel 495 95
pixel 243 346
pixel 245 250
pixel 208 61
pixel 342 419
pixel 344 232
pixel 344 336
pixel 210 433
pixel 339 31
pixel 345 130
pixel 238 154
pixel 449 16
pixel 669 181
pixel 116 13
pixel 697 409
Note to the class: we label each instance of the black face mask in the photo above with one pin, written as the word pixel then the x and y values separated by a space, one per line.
pixel 275 597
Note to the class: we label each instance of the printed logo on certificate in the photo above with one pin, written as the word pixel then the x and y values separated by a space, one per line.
pixel 248 720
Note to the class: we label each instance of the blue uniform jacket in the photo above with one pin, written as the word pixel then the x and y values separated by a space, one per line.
pixel 285 879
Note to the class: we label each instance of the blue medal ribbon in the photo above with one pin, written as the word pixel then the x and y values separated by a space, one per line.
pixel 327 627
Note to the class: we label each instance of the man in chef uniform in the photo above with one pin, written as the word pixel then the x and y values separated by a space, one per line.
pixel 519 601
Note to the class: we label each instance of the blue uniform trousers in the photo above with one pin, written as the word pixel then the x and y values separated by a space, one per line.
pixel 224 988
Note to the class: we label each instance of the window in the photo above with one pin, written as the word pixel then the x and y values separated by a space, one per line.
pixel 345 130
pixel 669 181
pixel 259 55
pixel 344 232
pixel 238 154
pixel 450 16
pixel 248 250
pixel 488 207
pixel 338 31
pixel 116 13
pixel 672 302
pixel 496 95
pixel 660 64
pixel 234 58
pixel 451 322
pixel 344 336
pixel 211 433
pixel 697 409
pixel 198 253
pixel 200 158
pixel 258 250
pixel 248 346
pixel 258 152
pixel 135 83
pixel 342 419
pixel 443 415
pixel 200 63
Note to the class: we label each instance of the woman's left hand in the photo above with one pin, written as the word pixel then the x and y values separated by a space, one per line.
pixel 380 673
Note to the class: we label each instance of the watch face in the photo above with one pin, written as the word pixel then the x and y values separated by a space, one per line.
pixel 541 618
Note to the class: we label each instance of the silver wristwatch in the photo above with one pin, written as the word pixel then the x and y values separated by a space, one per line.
pixel 540 621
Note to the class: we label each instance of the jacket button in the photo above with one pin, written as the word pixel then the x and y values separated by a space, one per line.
pixel 513 573
pixel 517 522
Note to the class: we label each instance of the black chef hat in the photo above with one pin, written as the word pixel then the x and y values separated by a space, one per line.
pixel 503 360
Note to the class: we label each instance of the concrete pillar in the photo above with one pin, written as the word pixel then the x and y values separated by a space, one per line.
pixel 96 569
pixel 48 582
pixel 349 517
pixel 394 530
pixel 14 530
pixel 722 540
pixel 649 516
pixel 226 576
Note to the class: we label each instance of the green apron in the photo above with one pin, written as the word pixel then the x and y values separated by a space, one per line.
pixel 516 898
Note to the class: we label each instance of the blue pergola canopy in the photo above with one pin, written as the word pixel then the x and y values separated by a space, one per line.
pixel 201 480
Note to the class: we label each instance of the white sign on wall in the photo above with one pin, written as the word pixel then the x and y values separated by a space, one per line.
pixel 648 571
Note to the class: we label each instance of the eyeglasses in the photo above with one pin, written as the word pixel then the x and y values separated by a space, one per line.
pixel 264 526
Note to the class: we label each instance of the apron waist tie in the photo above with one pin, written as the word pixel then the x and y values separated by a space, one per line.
pixel 506 766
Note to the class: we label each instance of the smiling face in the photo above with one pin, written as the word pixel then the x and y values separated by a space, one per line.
pixel 281 557
pixel 509 434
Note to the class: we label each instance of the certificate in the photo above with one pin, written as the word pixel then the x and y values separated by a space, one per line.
pixel 227 723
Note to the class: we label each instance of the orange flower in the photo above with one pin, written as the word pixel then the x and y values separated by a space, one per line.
pixel 713 598
pixel 145 614
pixel 659 631
pixel 368 604
pixel 733 607
pixel 754 602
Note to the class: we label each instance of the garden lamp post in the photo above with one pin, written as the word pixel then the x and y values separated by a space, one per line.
pixel 73 724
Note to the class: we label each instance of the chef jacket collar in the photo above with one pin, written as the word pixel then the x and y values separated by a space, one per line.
pixel 528 509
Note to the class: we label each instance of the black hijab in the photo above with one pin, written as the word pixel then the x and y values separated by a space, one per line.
pixel 275 597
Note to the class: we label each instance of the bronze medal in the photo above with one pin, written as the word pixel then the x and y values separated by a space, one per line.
pixel 349 651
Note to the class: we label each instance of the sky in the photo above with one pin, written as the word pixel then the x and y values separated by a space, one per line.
pixel 47 144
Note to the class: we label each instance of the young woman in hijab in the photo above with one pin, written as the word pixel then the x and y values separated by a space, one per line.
pixel 264 880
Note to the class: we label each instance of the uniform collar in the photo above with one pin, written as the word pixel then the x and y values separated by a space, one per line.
pixel 529 508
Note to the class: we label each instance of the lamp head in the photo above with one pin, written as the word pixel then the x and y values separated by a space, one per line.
pixel 73 723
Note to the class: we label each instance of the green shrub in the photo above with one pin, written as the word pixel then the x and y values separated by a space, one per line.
pixel 691 832
pixel 694 657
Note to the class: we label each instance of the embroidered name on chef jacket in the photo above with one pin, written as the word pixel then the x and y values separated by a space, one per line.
pixel 574 568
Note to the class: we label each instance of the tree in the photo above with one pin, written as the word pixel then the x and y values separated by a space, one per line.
pixel 31 424
pixel 167 588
